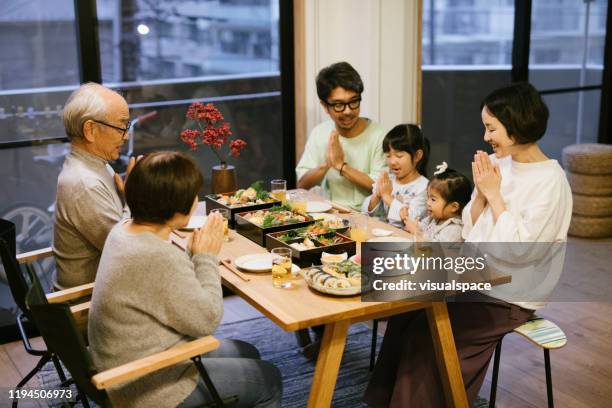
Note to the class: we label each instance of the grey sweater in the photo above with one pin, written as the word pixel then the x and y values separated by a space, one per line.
pixel 86 209
pixel 150 296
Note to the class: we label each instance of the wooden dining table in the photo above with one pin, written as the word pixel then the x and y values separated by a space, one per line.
pixel 300 307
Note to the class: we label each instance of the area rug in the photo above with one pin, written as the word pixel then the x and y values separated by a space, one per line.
pixel 281 348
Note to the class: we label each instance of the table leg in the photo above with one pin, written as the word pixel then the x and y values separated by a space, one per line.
pixel 446 355
pixel 328 364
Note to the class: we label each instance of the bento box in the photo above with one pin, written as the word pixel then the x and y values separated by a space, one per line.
pixel 251 199
pixel 255 225
pixel 306 250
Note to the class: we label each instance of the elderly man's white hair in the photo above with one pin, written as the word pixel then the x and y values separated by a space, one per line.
pixel 85 103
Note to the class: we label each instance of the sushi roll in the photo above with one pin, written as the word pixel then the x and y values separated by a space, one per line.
pixel 322 278
pixel 337 283
pixel 355 280
pixel 311 272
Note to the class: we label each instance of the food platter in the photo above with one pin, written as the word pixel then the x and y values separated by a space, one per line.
pixel 251 199
pixel 308 244
pixel 255 225
pixel 341 279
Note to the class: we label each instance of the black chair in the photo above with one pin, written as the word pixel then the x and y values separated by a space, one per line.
pixel 19 288
pixel 59 329
pixel 373 345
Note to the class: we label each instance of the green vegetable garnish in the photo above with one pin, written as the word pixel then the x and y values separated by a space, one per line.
pixel 261 194
pixel 284 207
pixel 268 221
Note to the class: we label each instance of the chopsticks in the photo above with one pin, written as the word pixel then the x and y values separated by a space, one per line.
pixel 179 234
pixel 340 208
pixel 229 265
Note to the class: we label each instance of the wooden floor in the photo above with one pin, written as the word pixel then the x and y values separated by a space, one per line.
pixel 581 371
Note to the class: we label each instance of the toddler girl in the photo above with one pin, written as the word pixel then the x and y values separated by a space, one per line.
pixel 448 193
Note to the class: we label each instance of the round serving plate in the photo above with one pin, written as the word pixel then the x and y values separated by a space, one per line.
pixel 258 263
pixel 318 206
pixel 352 291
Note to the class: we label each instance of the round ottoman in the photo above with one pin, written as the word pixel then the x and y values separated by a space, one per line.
pixel 590 227
pixel 592 206
pixel 590 184
pixel 589 173
pixel 588 158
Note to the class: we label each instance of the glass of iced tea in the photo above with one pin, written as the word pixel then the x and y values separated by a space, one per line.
pixel 297 200
pixel 281 268
pixel 226 214
pixel 359 227
pixel 278 190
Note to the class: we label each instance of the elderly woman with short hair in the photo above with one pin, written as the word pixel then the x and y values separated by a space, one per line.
pixel 150 296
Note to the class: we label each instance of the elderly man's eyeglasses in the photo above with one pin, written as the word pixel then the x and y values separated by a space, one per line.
pixel 120 129
pixel 341 106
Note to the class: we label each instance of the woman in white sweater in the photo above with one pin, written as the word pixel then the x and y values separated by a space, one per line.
pixel 150 295
pixel 520 196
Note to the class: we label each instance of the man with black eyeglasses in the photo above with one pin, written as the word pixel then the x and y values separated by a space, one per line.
pixel 343 155
pixel 89 193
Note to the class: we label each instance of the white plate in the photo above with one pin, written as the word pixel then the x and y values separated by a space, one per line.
pixel 380 232
pixel 196 221
pixel 324 216
pixel 384 240
pixel 258 263
pixel 318 206
pixel 390 239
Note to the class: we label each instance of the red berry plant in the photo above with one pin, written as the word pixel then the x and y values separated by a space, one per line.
pixel 212 131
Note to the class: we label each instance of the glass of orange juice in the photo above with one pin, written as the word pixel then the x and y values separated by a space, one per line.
pixel 359 227
pixel 281 268
pixel 225 214
pixel 278 190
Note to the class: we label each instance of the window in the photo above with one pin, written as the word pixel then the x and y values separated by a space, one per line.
pixel 134 32
pixel 225 52
pixel 467 52
pixel 38 68
pixel 468 32
pixel 568 29
pixel 161 55
pixel 567 43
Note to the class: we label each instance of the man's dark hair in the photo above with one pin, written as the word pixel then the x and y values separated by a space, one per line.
pixel 520 108
pixel 161 185
pixel 408 138
pixel 339 74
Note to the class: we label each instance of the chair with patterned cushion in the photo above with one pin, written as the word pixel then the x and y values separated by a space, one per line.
pixel 544 334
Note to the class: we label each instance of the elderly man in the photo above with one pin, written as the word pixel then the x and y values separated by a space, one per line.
pixel 89 193
pixel 343 155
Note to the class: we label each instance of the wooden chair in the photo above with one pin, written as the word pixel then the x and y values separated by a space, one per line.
pixel 59 329
pixel 19 287
pixel 544 334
